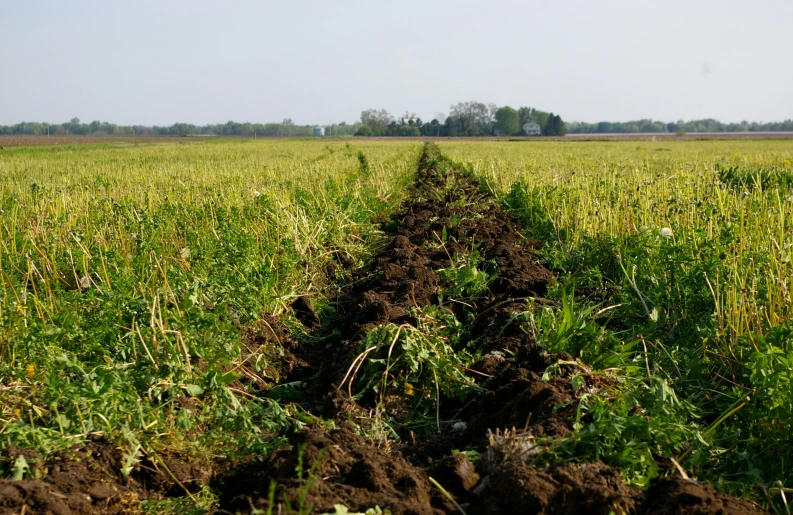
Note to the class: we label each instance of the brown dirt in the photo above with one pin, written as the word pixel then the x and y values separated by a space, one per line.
pixel 347 470
pixel 670 495
pixel 569 489
pixel 267 354
pixel 88 480
pixel 355 464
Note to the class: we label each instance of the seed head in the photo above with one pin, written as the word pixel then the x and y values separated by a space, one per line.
pixel 666 232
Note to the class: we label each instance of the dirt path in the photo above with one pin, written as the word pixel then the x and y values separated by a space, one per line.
pixel 445 219
pixel 402 410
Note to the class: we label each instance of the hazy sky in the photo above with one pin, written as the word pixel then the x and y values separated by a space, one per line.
pixel 163 61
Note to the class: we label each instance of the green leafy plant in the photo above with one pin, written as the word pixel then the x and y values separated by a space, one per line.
pixel 20 468
pixel 464 280
pixel 420 363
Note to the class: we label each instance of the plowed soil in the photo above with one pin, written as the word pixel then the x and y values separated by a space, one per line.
pixel 361 473
pixel 88 480
pixel 347 461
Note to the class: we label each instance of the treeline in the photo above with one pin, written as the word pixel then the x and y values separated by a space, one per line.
pixel 97 128
pixel 706 125
pixel 465 119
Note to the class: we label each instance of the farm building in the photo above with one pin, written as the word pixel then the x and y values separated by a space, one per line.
pixel 319 131
pixel 531 128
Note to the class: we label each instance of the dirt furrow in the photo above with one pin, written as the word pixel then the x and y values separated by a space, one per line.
pixel 445 232
pixel 426 375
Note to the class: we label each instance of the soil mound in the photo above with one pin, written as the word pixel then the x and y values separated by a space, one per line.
pixel 670 495
pixel 88 480
pixel 570 489
pixel 336 467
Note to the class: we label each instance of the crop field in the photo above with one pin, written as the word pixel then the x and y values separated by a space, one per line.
pixel 26 140
pixel 276 326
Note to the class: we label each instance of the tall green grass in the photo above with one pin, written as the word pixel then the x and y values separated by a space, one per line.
pixel 127 273
pixel 684 251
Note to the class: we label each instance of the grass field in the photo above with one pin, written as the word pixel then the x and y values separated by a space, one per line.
pixel 193 304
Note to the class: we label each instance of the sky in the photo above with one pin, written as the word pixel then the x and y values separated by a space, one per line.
pixel 156 62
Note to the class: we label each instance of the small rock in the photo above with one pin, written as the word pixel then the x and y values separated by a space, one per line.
pixel 9 492
pixel 100 492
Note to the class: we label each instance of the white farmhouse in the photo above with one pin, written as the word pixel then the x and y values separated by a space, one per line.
pixel 531 128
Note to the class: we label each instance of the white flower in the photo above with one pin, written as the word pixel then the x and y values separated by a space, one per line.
pixel 666 232
pixel 256 193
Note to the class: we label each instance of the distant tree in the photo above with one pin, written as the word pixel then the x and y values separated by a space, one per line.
pixel 432 128
pixel 377 120
pixel 286 129
pixel 561 130
pixel 541 117
pixel 524 115
pixel 507 121
pixel 706 125
pixel 450 126
pixel 491 115
pixel 554 126
pixel 436 126
pixel 470 119
pixel 604 127
pixel 409 130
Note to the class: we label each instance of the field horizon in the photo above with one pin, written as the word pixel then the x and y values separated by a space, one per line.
pixel 29 140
